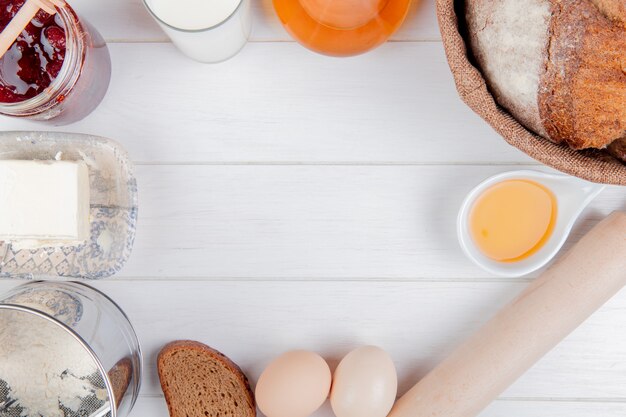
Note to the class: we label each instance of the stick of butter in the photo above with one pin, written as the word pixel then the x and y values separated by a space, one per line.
pixel 44 203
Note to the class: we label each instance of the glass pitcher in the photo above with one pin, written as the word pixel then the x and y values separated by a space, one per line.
pixel 341 27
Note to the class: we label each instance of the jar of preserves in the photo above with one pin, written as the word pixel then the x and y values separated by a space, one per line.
pixel 57 70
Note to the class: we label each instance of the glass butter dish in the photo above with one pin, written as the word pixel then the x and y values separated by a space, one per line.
pixel 112 201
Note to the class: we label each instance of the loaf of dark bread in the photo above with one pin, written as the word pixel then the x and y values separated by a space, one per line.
pixel 558 66
pixel 199 381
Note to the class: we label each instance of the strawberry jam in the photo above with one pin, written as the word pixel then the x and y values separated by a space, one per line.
pixel 36 57
pixel 57 71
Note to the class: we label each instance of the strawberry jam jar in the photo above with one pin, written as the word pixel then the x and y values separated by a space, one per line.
pixel 57 70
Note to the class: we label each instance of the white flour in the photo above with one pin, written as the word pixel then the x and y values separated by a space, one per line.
pixel 43 365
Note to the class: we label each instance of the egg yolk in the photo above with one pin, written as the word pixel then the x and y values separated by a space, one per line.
pixel 513 219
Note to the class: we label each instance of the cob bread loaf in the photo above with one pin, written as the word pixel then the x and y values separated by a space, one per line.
pixel 558 66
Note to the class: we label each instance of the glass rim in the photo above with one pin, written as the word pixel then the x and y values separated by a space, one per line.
pixel 206 29
pixel 88 349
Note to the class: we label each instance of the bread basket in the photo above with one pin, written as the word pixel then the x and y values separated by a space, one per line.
pixel 591 165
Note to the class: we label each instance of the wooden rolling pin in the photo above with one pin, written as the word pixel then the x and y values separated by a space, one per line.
pixel 552 306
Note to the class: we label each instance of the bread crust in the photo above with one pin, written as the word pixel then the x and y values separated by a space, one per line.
pixel 582 95
pixel 613 9
pixel 179 345
pixel 577 51
pixel 509 40
pixel 120 376
pixel 618 149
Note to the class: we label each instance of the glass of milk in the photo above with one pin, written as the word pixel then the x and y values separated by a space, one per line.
pixel 205 30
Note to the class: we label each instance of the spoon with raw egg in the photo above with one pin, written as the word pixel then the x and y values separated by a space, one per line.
pixel 514 223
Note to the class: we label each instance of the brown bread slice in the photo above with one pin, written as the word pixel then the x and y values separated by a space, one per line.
pixel 582 97
pixel 120 376
pixel 199 381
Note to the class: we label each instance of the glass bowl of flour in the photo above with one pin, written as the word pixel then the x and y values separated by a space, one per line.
pixel 66 350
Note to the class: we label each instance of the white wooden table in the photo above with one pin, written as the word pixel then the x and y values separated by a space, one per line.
pixel 290 200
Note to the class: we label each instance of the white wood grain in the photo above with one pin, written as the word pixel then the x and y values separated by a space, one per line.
pixel 322 222
pixel 293 200
pixel 553 409
pixel 127 20
pixel 155 407
pixel 276 103
pixel 418 323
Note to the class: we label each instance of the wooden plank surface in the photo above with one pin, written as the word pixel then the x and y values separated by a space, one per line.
pixel 128 21
pixel 278 103
pixel 293 200
pixel 322 222
pixel 334 317
pixel 155 407
pixel 418 323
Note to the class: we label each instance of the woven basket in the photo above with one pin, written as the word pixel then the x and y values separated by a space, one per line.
pixel 591 165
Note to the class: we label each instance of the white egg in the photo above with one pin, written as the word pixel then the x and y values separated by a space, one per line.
pixel 294 385
pixel 365 384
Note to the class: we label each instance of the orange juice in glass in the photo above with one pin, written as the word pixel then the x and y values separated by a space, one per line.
pixel 341 27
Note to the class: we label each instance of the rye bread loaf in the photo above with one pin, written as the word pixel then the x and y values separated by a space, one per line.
pixel 558 66
pixel 199 381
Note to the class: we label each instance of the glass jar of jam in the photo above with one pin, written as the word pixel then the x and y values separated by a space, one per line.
pixel 57 70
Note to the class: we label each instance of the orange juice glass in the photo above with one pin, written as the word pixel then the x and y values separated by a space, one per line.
pixel 341 27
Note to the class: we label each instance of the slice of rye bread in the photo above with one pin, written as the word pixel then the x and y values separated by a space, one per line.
pixel 199 381
pixel 120 376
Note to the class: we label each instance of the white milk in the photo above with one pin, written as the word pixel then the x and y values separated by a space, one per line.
pixel 205 30
pixel 193 14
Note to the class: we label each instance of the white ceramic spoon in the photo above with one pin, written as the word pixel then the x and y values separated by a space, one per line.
pixel 572 195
